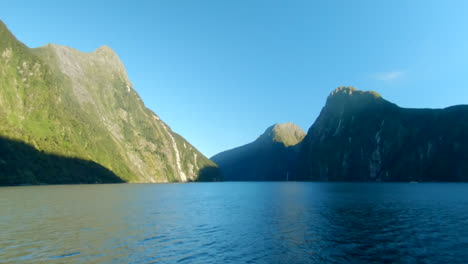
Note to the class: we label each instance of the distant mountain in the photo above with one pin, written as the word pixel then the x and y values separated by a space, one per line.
pixel 359 136
pixel 272 157
pixel 70 104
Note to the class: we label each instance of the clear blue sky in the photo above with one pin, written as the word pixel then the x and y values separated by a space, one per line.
pixel 220 72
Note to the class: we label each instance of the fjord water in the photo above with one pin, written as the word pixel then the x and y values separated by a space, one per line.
pixel 259 222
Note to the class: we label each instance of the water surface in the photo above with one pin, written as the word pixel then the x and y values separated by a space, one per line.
pixel 235 223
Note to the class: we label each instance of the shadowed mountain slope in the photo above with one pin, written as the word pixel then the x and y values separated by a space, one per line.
pixel 359 136
pixel 21 163
pixel 272 157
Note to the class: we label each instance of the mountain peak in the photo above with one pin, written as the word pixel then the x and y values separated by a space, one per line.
pixel 349 91
pixel 351 98
pixel 105 54
pixel 287 133
pixel 74 62
pixel 344 89
pixel 105 50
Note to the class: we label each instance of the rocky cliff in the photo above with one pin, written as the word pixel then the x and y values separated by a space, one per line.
pixel 359 136
pixel 82 105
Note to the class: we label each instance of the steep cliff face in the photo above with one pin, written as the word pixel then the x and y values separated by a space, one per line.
pixel 272 157
pixel 359 136
pixel 82 105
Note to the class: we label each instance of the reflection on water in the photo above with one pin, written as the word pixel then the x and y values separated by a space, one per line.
pixel 235 223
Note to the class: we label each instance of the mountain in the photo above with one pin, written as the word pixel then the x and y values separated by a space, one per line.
pixel 68 104
pixel 271 157
pixel 359 136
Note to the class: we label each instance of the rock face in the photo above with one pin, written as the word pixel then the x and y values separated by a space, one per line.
pixel 359 136
pixel 82 105
pixel 272 157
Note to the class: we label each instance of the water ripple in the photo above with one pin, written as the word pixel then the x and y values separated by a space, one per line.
pixel 235 223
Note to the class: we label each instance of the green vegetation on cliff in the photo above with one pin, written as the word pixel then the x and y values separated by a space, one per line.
pixel 80 105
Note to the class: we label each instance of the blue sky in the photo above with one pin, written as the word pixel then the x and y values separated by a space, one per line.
pixel 220 72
